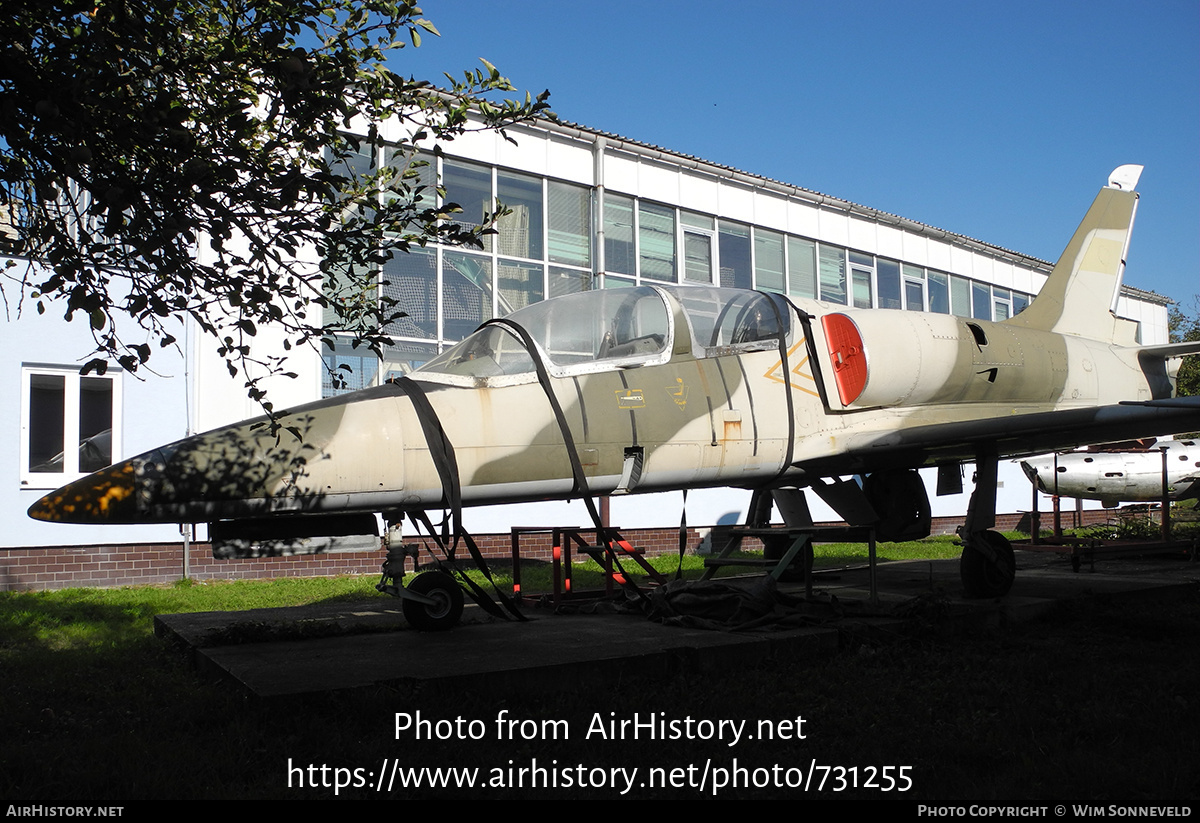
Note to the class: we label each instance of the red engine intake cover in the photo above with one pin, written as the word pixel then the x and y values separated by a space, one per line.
pixel 847 354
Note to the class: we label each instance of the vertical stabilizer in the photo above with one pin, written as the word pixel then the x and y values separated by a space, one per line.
pixel 1081 293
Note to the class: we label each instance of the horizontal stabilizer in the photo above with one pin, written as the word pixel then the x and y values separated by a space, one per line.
pixel 1169 350
pixel 1161 364
pixel 1171 403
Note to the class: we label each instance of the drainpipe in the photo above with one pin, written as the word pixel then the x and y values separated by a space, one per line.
pixel 598 147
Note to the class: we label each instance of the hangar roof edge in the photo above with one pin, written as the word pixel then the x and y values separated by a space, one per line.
pixel 648 149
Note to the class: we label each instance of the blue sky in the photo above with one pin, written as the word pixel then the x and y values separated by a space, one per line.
pixel 995 121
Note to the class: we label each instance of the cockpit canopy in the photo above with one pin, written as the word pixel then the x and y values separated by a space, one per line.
pixel 616 328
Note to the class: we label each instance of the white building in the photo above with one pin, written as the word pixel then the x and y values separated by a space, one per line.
pixel 588 210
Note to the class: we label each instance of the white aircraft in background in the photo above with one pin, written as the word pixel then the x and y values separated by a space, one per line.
pixel 1120 475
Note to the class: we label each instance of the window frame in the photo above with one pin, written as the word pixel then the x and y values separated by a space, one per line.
pixel 913 277
pixel 72 386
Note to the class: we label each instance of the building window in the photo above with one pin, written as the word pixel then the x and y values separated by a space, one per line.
pixel 697 257
pixel 520 227
pixel 960 296
pixel 914 288
pixel 656 242
pixel 981 301
pixel 833 274
pixel 939 293
pixel 887 277
pixel 619 249
pixel 768 261
pixel 698 237
pixel 69 424
pixel 1002 303
pixel 1020 302
pixel 411 280
pixel 733 250
pixel 861 272
pixel 347 369
pixel 466 293
pixel 570 223
pixel 446 291
pixel 568 281
pixel 802 267
pixel 469 186
pixel 517 285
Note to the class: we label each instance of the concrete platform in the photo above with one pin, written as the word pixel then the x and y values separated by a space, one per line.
pixel 340 646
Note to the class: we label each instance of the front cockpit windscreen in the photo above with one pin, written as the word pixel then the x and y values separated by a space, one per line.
pixel 609 327
pixel 492 351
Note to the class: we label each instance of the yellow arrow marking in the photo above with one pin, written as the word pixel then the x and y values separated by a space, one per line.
pixel 800 370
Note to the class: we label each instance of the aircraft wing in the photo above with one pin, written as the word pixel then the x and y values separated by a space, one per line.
pixel 1014 436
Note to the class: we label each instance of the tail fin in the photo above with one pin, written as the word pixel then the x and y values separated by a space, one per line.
pixel 1081 293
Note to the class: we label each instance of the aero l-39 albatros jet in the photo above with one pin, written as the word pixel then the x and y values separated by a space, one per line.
pixel 653 388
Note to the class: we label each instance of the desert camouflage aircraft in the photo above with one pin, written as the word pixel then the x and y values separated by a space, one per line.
pixel 645 389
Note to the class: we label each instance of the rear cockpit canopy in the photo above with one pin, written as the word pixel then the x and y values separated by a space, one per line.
pixel 725 321
pixel 610 329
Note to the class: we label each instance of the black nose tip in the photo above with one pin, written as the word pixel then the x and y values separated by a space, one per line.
pixel 108 496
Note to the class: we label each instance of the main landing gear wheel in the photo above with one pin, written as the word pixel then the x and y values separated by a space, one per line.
pixel 988 566
pixel 448 602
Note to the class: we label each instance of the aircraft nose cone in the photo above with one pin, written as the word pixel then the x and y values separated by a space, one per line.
pixel 106 496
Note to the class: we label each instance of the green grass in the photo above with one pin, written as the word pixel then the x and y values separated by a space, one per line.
pixel 105 618
pixel 81 618
pixel 98 618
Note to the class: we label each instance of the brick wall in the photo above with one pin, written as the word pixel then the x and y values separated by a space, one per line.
pixel 135 564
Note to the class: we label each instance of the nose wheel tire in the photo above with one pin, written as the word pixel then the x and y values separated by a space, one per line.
pixel 447 608
pixel 988 566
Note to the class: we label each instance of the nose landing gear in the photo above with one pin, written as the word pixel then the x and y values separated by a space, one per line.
pixel 432 602
pixel 441 603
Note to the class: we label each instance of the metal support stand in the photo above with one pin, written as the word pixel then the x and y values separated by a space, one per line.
pixel 515 534
pixel 561 540
pixel 800 534
pixel 801 539
pixel 1035 520
pixel 1165 526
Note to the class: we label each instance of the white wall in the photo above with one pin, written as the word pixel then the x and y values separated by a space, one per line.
pixel 153 411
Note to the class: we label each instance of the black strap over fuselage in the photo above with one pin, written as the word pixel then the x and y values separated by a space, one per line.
pixel 441 452
pixel 579 479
